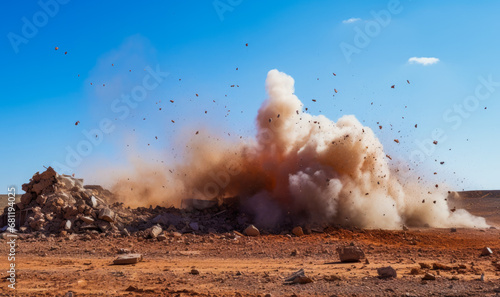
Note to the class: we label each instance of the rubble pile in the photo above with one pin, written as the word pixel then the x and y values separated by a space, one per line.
pixel 56 203
pixel 62 204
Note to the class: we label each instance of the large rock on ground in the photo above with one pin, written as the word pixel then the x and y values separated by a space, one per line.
pixel 128 259
pixel 386 272
pixel 350 253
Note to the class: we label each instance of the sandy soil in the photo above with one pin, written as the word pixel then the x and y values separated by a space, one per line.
pixel 232 266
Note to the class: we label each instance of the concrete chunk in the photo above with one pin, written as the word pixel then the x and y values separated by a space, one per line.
pixel 67 225
pixel 154 231
pixel 93 202
pixel 106 214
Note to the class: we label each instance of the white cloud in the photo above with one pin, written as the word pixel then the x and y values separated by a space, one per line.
pixel 351 20
pixel 423 60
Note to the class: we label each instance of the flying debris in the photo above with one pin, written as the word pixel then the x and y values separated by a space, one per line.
pixel 396 140
pixel 435 142
pixel 246 44
pixel 334 74
pixel 388 157
pixel 416 125
pixel 57 48
pixel 335 91
pixel 408 81
pixel 392 87
pixel 77 122
pixel 197 132
pixel 65 53
pixel 196 95
pixel 172 101
pixel 173 121
pixel 313 100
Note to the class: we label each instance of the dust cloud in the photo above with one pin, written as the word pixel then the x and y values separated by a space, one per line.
pixel 299 166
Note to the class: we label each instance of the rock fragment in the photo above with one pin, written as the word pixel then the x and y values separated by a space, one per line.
pixel 439 266
pixel 87 219
pixel 67 225
pixel 128 259
pixel 106 214
pixel 298 277
pixel 252 231
pixel 26 198
pixel 154 231
pixel 297 231
pixel 486 252
pixel 350 253
pixel 386 272
pixel 194 226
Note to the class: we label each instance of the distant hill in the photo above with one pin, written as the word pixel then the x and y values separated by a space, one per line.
pixel 480 194
pixel 3 201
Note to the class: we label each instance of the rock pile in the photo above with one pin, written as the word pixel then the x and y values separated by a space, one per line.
pixel 54 203
pixel 61 204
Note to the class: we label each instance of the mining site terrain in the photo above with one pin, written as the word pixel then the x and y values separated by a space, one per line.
pixel 214 251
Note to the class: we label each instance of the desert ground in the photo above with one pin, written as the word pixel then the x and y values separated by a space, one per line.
pixel 232 264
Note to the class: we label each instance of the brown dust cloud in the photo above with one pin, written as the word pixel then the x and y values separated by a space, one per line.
pixel 298 165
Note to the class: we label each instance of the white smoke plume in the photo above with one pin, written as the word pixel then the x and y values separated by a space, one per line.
pixel 314 170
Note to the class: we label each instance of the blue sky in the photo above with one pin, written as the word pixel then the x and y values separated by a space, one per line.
pixel 200 44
